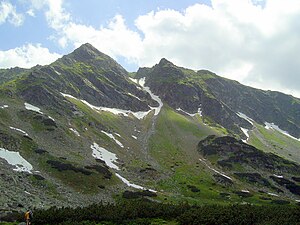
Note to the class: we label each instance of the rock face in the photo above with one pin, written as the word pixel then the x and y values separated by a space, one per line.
pixel 260 166
pixel 262 106
pixel 220 99
pixel 86 74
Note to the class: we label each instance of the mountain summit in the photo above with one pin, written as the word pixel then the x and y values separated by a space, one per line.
pixel 88 54
pixel 221 99
pixel 83 130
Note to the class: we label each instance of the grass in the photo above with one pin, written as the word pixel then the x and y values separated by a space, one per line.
pixel 174 146
pixel 275 142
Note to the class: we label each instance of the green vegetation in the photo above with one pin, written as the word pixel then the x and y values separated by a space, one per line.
pixel 174 146
pixel 145 212
pixel 275 142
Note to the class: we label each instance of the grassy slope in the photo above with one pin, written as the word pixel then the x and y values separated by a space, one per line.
pixel 275 142
pixel 174 146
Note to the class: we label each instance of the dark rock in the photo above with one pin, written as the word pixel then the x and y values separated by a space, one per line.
pixel 224 195
pixel 40 151
pixel 280 202
pixel 27 137
pixel 297 179
pixel 225 164
pixel 265 198
pixel 101 169
pixel 138 194
pixel 253 178
pixel 38 177
pixel 243 194
pixel 67 166
pixel 291 186
pixel 193 188
pixel 223 180
pixel 232 151
pixel 49 122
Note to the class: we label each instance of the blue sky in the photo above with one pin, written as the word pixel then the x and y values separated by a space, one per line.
pixel 256 42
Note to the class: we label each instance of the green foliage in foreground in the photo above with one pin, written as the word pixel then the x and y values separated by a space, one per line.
pixel 145 212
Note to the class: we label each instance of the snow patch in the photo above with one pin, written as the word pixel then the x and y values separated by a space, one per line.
pixel 133 96
pixel 138 115
pixel 135 137
pixel 105 155
pixel 153 96
pixel 136 130
pixel 245 131
pixel 216 171
pixel 26 192
pixel 191 114
pixel 57 72
pixel 112 137
pixel 278 176
pixel 245 117
pixel 15 159
pixel 3 106
pixel 51 118
pixel 32 108
pixel 117 134
pixel 272 126
pixel 133 80
pixel 19 130
pixel 128 183
pixel 272 194
pixel 74 131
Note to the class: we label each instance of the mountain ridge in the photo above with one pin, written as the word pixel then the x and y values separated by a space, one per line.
pixel 204 85
pixel 94 133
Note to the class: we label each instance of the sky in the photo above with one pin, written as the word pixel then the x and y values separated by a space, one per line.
pixel 256 42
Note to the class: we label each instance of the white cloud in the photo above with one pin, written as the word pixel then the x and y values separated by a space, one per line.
pixel 256 44
pixel 115 39
pixel 252 41
pixel 31 12
pixel 27 56
pixel 9 13
pixel 56 16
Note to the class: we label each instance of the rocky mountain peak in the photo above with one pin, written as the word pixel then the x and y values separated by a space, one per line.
pixel 86 53
pixel 91 56
pixel 164 62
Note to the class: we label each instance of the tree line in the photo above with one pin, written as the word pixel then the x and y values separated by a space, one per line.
pixel 143 212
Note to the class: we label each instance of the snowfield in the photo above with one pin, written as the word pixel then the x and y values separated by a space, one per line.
pixel 32 108
pixel 3 106
pixel 15 159
pixel 139 115
pixel 74 131
pixel 272 126
pixel 245 117
pixel 246 132
pixel 101 153
pixel 128 183
pixel 191 114
pixel 19 130
pixel 113 137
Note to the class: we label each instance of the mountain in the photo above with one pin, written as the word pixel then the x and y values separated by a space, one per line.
pixel 220 99
pixel 83 130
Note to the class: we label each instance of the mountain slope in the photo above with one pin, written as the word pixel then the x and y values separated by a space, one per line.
pixel 85 132
pixel 220 99
pixel 86 74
